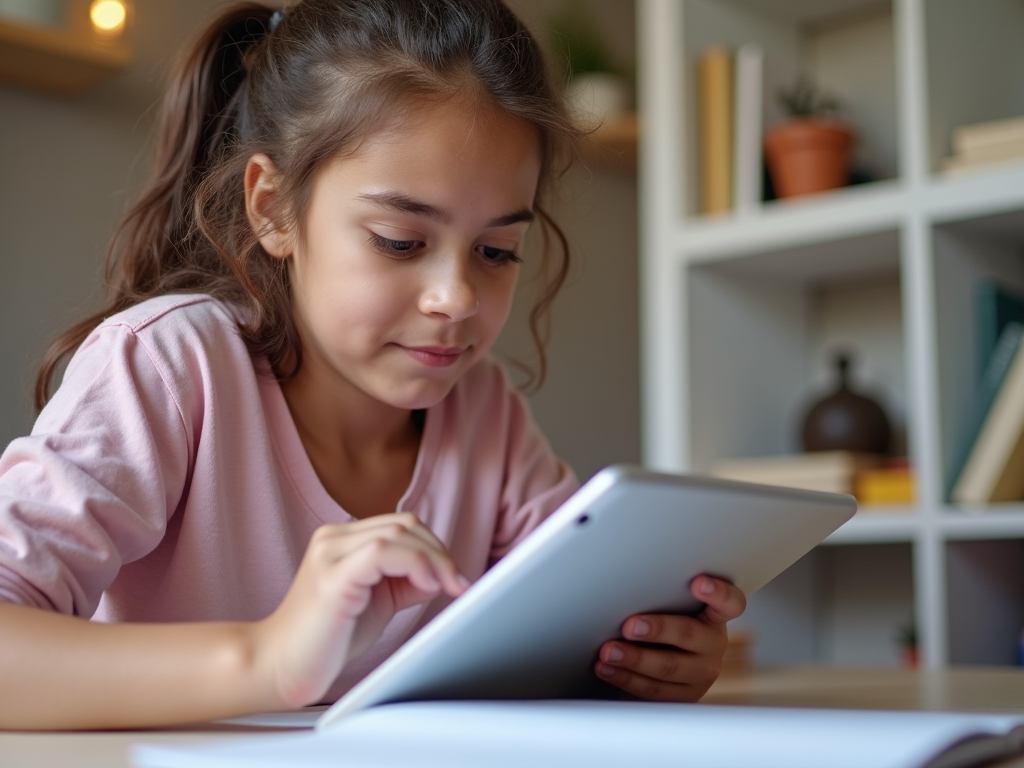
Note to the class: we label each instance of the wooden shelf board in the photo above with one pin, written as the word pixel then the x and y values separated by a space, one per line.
pixel 999 521
pixel 896 525
pixel 851 211
pixel 614 144
pixel 57 60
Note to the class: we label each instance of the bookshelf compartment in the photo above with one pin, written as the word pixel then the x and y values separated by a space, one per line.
pixel 985 588
pixel 971 256
pixel 975 66
pixel 847 47
pixel 735 305
pixel 761 330
pixel 840 605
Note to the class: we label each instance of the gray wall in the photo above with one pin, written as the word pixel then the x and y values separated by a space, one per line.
pixel 68 167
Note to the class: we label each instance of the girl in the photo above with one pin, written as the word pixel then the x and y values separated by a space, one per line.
pixel 283 439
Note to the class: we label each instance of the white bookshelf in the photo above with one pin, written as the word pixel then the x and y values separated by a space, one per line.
pixel 739 311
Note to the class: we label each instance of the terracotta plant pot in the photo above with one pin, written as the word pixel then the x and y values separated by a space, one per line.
pixel 808 155
pixel 909 657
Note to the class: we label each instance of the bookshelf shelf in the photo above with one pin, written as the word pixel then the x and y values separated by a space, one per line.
pixel 846 212
pixel 989 523
pixel 874 526
pixel 740 309
pixel 63 61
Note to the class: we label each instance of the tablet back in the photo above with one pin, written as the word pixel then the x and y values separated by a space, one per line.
pixel 628 542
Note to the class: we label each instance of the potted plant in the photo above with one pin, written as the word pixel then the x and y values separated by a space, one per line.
pixel 811 151
pixel 907 639
pixel 596 86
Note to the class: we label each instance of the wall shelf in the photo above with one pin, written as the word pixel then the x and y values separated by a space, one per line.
pixel 60 61
pixel 614 144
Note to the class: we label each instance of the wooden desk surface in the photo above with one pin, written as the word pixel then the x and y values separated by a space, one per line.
pixel 988 689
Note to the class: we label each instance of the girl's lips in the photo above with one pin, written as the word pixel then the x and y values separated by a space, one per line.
pixel 435 357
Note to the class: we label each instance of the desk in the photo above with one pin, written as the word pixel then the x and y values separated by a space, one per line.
pixel 995 689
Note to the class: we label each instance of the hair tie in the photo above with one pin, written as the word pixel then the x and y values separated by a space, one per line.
pixel 275 19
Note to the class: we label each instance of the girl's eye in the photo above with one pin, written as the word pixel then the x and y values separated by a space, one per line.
pixel 498 255
pixel 399 248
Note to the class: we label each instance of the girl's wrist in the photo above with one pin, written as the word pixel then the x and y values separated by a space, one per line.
pixel 259 668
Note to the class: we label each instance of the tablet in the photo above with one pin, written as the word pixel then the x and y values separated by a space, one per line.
pixel 629 541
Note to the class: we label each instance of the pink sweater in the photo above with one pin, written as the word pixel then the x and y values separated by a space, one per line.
pixel 166 480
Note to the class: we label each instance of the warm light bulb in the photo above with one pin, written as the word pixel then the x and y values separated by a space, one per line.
pixel 108 15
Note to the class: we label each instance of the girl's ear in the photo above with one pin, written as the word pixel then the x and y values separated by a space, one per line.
pixel 263 207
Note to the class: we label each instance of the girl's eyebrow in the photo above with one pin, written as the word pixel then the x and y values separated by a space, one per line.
pixel 396 201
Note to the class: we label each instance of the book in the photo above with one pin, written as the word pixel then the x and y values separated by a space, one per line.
pixel 999 360
pixel 995 307
pixel 715 130
pixel 603 734
pixel 979 137
pixel 959 165
pixel 831 471
pixel 984 145
pixel 748 128
pixel 990 465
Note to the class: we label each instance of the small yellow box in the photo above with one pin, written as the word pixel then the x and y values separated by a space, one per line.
pixel 885 486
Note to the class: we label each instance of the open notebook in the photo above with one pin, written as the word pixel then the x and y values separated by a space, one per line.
pixel 601 734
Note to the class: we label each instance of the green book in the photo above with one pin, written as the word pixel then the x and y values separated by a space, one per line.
pixel 999 361
pixel 995 307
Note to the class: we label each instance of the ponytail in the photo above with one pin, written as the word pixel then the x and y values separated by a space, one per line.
pixel 157 246
pixel 303 87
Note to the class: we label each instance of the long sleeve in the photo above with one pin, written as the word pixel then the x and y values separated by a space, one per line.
pixel 94 484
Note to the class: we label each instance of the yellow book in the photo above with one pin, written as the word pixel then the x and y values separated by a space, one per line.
pixel 715 134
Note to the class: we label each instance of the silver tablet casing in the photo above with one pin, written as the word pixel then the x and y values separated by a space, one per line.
pixel 629 541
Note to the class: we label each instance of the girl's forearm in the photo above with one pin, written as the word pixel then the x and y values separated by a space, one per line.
pixel 58 672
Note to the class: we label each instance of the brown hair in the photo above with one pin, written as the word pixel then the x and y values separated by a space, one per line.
pixel 302 87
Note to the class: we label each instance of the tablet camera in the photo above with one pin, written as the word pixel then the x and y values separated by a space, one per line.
pixel 583 519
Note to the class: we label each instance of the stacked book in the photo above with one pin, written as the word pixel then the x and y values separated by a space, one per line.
pixel 732 115
pixel 874 480
pixel 985 145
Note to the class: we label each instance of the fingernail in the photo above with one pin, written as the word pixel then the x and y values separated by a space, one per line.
pixel 640 628
pixel 707 586
pixel 616 654
pixel 605 671
pixel 463 581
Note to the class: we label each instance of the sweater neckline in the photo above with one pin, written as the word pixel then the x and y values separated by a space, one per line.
pixel 297 465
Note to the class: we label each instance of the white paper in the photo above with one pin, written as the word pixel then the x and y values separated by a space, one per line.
pixel 598 735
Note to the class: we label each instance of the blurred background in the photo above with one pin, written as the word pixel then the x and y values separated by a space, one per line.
pixel 69 166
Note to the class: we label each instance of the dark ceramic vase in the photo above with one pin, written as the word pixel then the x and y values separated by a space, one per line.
pixel 846 420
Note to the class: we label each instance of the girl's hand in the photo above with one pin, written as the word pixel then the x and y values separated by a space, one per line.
pixel 685 671
pixel 352 580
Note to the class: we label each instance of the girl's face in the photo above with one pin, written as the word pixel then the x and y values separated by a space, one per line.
pixel 408 266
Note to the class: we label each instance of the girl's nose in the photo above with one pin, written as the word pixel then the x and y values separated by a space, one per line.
pixel 451 291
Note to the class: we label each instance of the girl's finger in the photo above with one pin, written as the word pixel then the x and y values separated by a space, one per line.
pixel 670 666
pixel 408 520
pixel 416 525
pixel 331 551
pixel 335 542
pixel 723 601
pixel 365 568
pixel 686 633
pixel 648 688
